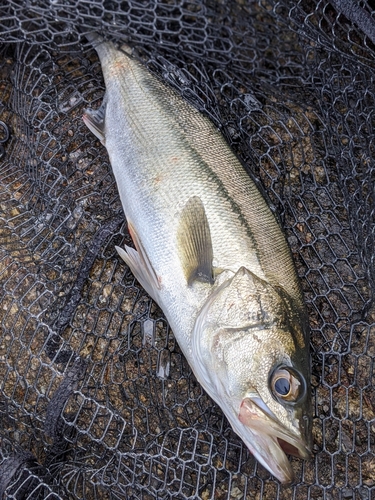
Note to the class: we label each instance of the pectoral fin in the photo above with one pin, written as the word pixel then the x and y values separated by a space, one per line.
pixel 94 120
pixel 140 266
pixel 194 241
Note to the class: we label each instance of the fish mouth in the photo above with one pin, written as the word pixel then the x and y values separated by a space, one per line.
pixel 290 449
pixel 269 440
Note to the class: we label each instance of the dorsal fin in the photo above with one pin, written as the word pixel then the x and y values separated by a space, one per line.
pixel 194 241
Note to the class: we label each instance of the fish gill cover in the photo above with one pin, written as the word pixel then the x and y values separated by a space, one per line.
pixel 96 399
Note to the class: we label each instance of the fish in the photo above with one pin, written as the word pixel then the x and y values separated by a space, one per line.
pixel 211 253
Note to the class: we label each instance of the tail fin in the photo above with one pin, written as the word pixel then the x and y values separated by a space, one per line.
pixel 94 38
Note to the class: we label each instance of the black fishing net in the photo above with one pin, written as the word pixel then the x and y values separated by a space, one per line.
pixel 96 399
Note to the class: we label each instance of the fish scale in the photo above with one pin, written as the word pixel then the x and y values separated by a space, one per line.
pixel 211 253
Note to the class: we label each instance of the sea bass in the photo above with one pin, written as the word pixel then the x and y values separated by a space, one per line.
pixel 210 252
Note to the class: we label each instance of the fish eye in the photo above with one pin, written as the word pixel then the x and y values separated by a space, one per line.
pixel 282 386
pixel 286 384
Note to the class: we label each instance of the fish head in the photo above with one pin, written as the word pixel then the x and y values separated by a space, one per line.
pixel 250 343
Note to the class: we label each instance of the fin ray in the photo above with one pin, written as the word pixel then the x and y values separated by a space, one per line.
pixel 95 120
pixel 141 266
pixel 195 243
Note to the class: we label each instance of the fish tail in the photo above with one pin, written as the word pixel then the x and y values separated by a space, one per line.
pixel 94 38
pixel 104 47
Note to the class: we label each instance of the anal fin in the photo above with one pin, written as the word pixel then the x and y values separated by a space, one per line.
pixel 194 241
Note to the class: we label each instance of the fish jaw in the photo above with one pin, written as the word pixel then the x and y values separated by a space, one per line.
pixel 269 442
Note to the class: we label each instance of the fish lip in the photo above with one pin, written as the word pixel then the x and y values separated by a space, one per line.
pixel 283 433
pixel 270 441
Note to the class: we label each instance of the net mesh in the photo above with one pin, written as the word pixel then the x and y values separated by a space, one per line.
pixel 96 399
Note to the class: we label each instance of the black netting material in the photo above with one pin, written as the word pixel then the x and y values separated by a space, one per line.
pixel 96 400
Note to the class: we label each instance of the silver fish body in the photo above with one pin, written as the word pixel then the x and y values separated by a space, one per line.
pixel 210 252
